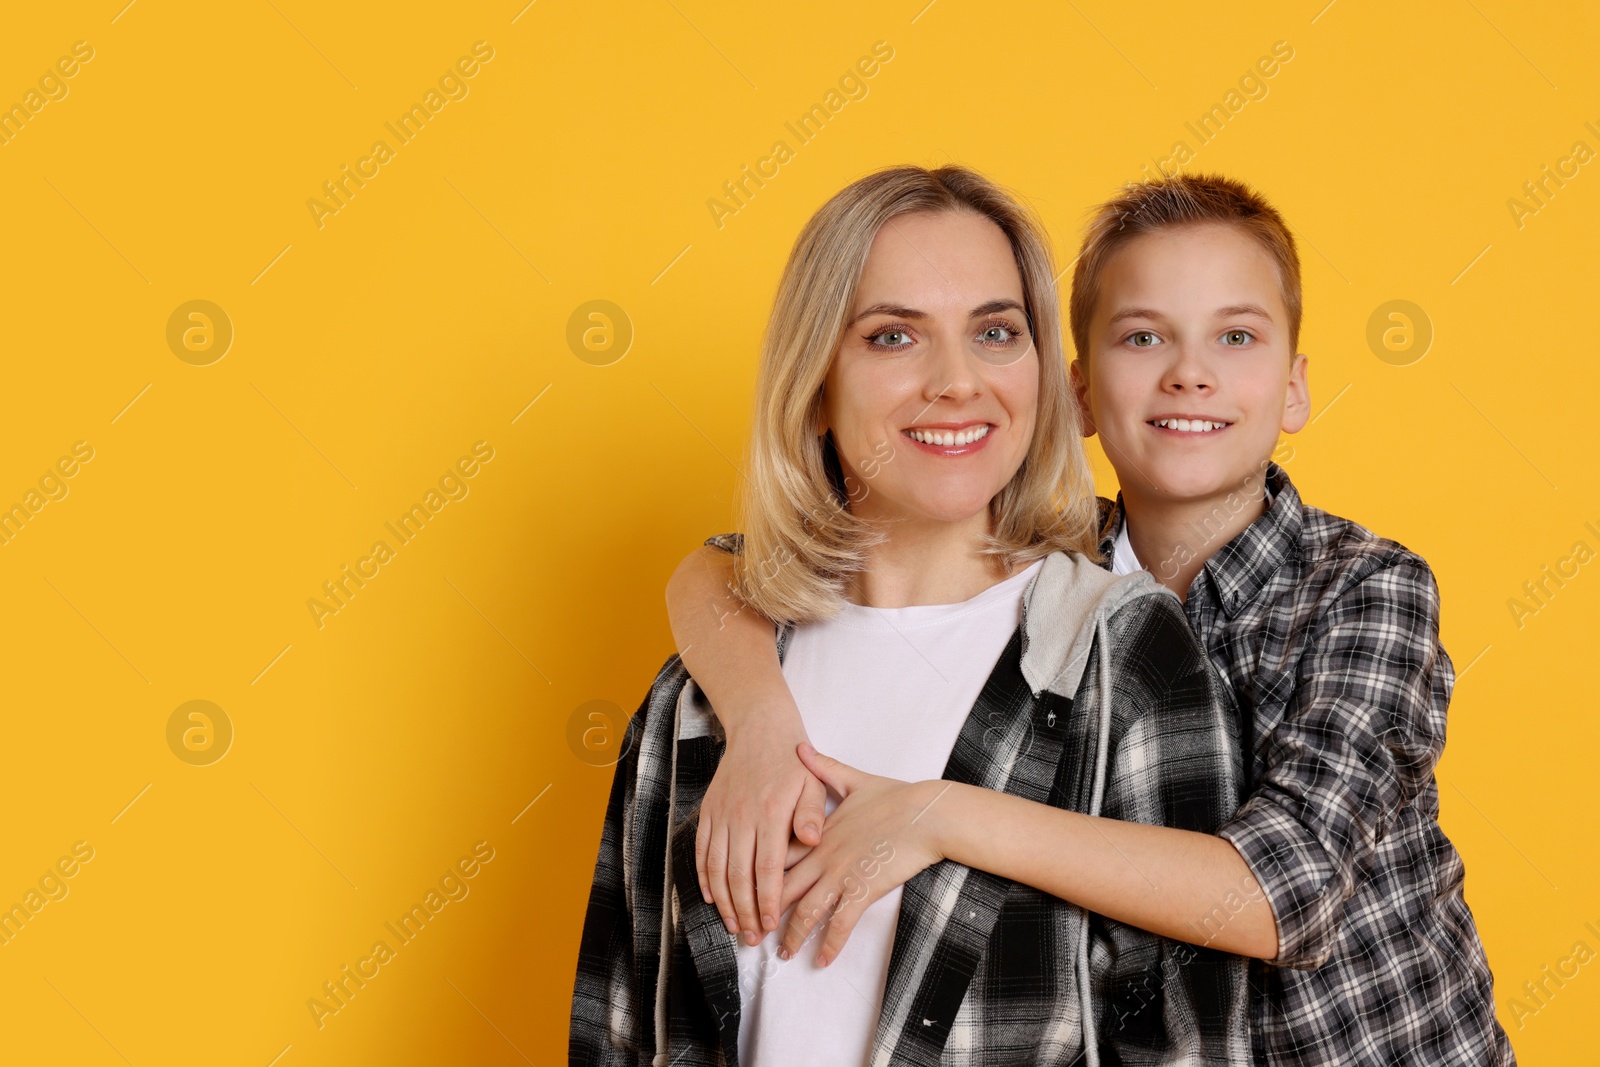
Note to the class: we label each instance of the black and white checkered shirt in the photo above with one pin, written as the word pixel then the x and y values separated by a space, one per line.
pixel 983 970
pixel 1329 638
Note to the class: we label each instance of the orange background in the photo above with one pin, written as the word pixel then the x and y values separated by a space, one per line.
pixel 373 346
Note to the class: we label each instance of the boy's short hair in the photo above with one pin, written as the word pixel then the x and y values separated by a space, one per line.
pixel 1169 202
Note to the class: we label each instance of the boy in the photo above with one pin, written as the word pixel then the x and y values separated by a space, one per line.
pixel 1185 313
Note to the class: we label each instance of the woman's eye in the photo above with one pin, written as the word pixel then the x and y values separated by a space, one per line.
pixel 998 334
pixel 1238 337
pixel 1142 338
pixel 896 339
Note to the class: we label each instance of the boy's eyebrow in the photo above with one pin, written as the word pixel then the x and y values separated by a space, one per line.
pixel 1242 309
pixel 1221 313
pixel 901 312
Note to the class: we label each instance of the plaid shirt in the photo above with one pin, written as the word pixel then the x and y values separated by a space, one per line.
pixel 983 970
pixel 1329 637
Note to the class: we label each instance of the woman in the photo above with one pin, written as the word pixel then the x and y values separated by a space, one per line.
pixel 944 597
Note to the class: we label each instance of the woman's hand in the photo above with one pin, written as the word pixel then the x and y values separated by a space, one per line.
pixel 742 847
pixel 875 840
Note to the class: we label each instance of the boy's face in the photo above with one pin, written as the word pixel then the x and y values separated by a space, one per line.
pixel 1191 325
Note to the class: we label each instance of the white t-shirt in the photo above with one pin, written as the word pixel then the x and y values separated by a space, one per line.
pixel 886 690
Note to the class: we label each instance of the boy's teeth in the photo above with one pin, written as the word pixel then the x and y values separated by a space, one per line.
pixel 1189 425
pixel 948 438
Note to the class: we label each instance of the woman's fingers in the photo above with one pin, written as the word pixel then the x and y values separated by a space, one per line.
pixel 809 813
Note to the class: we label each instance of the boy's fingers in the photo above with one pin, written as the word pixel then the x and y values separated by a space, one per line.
pixel 839 926
pixel 717 872
pixel 811 910
pixel 770 854
pixel 702 843
pixel 798 850
pixel 741 879
pixel 808 814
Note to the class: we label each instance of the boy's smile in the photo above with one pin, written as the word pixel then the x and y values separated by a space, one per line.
pixel 1191 378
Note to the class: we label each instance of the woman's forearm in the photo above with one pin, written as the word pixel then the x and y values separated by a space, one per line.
pixel 728 648
pixel 1179 884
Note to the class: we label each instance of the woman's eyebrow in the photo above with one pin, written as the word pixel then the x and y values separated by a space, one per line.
pixel 901 312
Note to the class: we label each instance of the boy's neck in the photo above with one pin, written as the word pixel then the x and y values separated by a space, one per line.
pixel 1173 539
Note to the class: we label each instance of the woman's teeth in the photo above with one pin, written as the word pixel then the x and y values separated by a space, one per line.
pixel 1188 425
pixel 950 437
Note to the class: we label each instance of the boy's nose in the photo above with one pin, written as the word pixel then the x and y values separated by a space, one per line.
pixel 1189 371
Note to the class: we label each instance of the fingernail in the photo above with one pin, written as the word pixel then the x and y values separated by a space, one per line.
pixel 784 953
pixel 750 937
pixel 733 927
pixel 769 922
pixel 811 827
pixel 822 961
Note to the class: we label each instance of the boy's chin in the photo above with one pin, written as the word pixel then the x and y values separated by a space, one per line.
pixel 1180 483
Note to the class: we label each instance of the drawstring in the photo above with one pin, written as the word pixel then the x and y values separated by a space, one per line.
pixel 668 900
pixel 1090 1036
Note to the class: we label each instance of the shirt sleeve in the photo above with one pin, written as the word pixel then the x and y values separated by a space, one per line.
pixel 608 1019
pixel 1175 761
pixel 732 543
pixel 1359 739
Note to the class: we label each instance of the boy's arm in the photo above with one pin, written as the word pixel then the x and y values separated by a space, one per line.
pixel 1359 740
pixel 761 789
pixel 1152 859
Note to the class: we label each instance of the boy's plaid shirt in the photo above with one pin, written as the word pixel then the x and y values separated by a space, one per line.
pixel 1329 638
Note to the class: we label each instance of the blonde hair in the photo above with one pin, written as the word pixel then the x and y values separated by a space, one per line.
pixel 1173 201
pixel 801 543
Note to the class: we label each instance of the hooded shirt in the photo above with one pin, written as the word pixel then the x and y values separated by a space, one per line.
pixel 1102 703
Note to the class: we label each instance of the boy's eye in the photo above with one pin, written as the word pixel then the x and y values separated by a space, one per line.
pixel 1238 337
pixel 1143 338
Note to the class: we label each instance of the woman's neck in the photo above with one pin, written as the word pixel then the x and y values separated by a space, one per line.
pixel 919 564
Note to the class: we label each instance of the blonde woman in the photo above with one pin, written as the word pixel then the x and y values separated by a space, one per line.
pixel 918 508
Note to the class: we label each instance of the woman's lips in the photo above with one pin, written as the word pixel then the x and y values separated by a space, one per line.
pixel 952 449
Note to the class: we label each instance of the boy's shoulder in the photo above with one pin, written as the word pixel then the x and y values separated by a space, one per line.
pixel 1333 543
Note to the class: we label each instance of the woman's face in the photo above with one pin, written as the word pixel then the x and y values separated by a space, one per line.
pixel 932 393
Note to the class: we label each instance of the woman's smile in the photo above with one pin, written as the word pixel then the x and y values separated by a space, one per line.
pixel 949 438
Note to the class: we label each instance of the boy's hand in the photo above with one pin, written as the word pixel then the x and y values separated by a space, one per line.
pixel 877 839
pixel 760 791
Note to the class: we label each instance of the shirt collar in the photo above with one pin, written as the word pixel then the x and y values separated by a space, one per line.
pixel 1238 569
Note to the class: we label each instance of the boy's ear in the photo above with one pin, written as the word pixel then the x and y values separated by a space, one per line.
pixel 1297 399
pixel 1080 389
